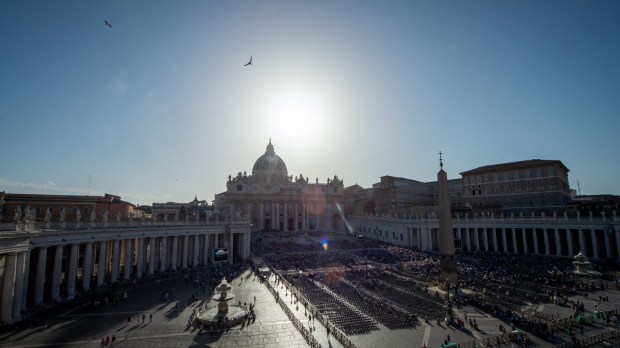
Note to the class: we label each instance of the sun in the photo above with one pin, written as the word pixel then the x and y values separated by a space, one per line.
pixel 295 118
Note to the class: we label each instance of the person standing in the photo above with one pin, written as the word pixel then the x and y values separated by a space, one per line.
pixel 143 316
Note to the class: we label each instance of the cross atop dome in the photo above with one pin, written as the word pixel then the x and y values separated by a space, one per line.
pixel 270 150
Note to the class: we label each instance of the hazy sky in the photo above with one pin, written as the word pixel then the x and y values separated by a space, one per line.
pixel 160 107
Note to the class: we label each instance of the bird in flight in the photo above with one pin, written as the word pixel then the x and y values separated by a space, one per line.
pixel 107 23
pixel 248 63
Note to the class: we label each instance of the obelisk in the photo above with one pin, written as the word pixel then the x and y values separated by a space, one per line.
pixel 446 238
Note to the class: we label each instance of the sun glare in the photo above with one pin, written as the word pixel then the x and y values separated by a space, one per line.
pixel 295 118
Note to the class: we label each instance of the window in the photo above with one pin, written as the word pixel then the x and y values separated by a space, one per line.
pixel 74 211
pixel 401 236
pixel 239 187
pixel 86 210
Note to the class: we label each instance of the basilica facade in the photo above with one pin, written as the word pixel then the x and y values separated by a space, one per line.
pixel 273 200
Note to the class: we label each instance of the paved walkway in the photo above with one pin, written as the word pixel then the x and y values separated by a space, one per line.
pixel 70 325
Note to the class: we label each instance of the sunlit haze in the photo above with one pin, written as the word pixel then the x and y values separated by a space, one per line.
pixel 160 107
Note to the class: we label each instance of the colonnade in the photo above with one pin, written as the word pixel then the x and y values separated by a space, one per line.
pixel 287 215
pixel 59 264
pixel 597 240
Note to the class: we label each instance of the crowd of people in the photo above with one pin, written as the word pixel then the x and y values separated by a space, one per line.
pixel 354 297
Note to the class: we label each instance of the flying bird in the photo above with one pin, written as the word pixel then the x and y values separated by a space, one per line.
pixel 248 63
pixel 107 23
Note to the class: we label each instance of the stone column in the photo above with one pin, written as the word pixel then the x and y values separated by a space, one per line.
pixel 595 244
pixel 525 248
pixel 57 273
pixel 485 239
pixel 205 254
pixel 8 288
pixel 296 210
pixel 476 239
pixel 101 266
pixel 558 242
pixel 87 268
pixel 211 248
pixel 535 238
pixel 286 216
pixel 21 274
pixel 115 261
pixel 316 222
pixel 40 276
pixel 273 215
pixel 504 239
pixel 247 240
pixel 277 216
pixel 128 259
pixel 140 258
pixel 25 282
pixel 261 218
pixel 175 247
pixel 152 259
pixel 72 273
pixel 196 251
pixel 230 247
pixel 185 250
pixel 607 244
pixel 304 217
pixel 164 251
pixel 515 248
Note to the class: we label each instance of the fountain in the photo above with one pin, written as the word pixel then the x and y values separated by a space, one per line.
pixel 583 266
pixel 224 314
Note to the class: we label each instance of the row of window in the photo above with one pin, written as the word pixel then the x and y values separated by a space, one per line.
pixel 512 175
pixel 380 234
pixel 507 189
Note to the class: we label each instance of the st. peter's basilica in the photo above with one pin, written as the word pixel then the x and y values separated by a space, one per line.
pixel 274 201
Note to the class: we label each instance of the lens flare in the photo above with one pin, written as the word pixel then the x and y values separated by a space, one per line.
pixel 324 244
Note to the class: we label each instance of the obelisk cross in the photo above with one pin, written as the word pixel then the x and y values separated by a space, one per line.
pixel 440 160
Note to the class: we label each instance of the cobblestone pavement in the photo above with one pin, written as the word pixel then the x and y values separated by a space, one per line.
pixel 69 325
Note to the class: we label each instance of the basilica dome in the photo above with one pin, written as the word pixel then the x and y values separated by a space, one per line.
pixel 269 165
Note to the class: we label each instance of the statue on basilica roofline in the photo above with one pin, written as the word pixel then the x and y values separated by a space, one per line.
pixel 28 215
pixel 63 214
pixel 18 214
pixel 48 214
pixel 93 216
